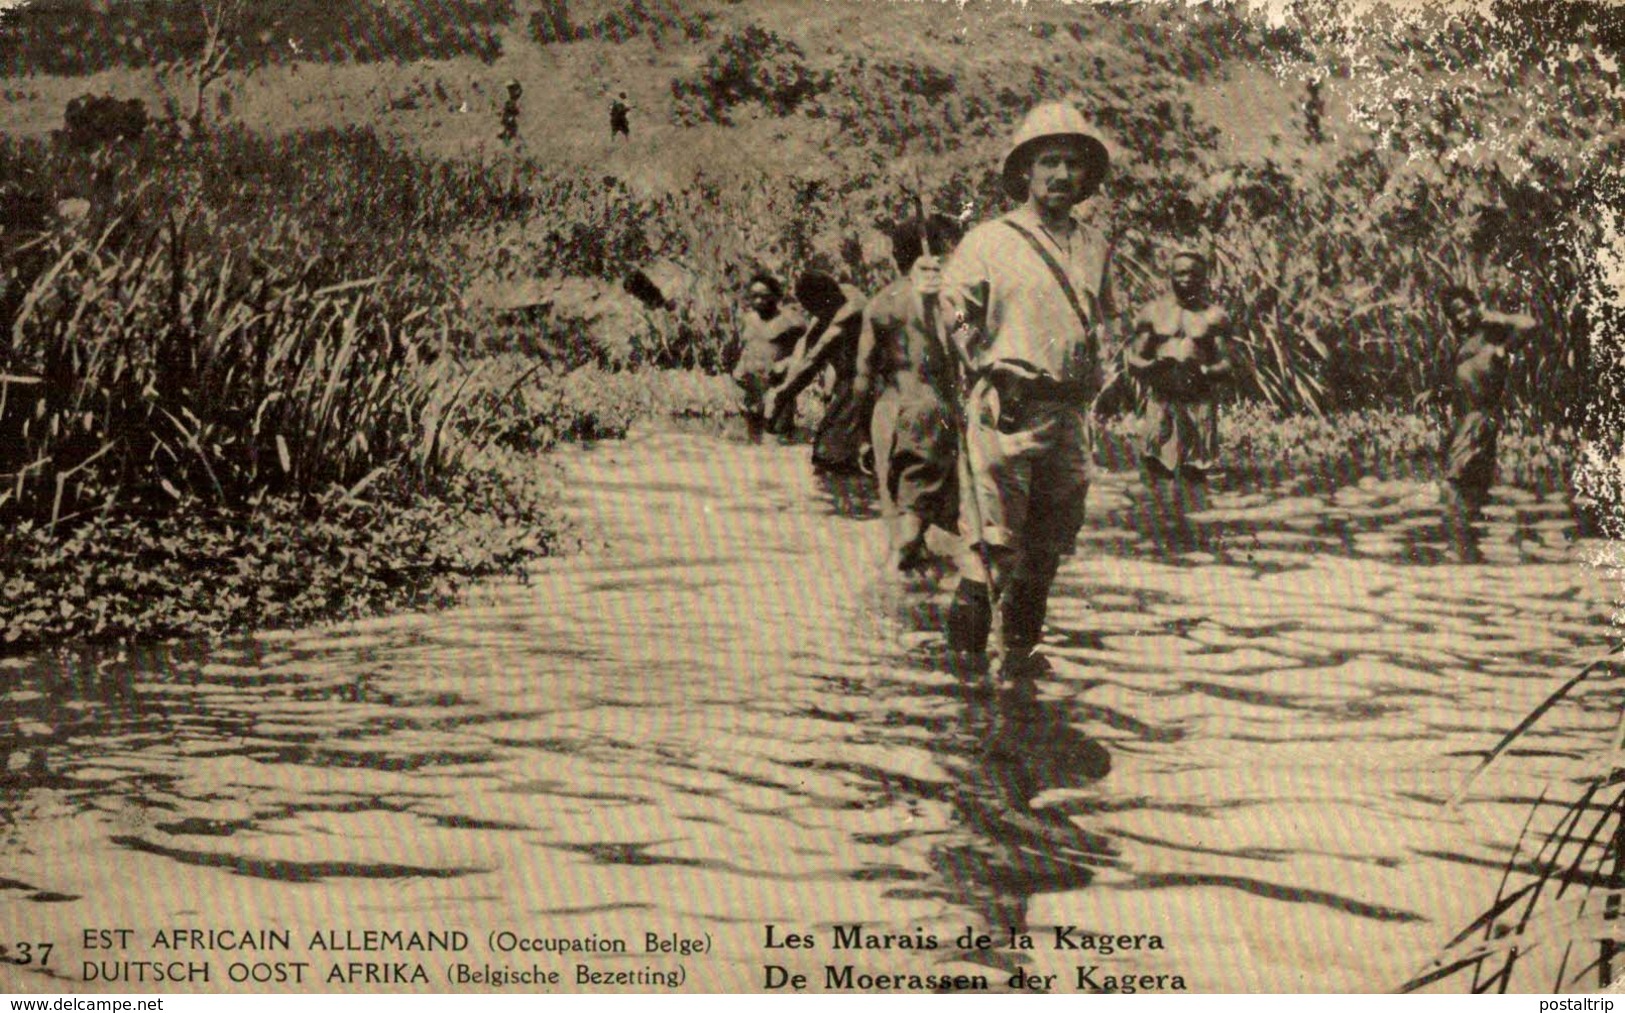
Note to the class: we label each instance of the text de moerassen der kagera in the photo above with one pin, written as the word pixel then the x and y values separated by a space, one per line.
pixel 900 977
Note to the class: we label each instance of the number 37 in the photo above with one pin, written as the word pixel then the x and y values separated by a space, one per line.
pixel 25 954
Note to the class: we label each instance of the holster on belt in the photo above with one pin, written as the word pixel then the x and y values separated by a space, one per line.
pixel 1021 386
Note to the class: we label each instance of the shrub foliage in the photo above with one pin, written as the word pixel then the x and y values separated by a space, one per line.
pixel 77 37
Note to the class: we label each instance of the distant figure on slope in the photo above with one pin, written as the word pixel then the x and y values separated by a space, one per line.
pixel 769 333
pixel 1478 382
pixel 620 118
pixel 832 341
pixel 902 355
pixel 510 114
pixel 1314 112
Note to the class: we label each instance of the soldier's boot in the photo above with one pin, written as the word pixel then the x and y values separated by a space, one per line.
pixel 970 618
pixel 970 623
pixel 1022 611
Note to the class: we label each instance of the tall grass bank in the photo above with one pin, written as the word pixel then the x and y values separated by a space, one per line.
pixel 215 415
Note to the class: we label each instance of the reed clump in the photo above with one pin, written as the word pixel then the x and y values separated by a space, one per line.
pixel 207 422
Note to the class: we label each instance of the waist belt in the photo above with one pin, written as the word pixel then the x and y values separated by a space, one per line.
pixel 1021 385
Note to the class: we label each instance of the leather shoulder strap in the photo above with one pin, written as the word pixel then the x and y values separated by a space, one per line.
pixel 1055 269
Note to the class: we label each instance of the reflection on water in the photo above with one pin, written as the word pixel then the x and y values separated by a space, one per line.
pixel 726 719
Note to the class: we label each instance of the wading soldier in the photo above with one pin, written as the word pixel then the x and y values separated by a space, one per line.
pixel 1485 341
pixel 901 355
pixel 836 312
pixel 1179 354
pixel 1028 298
pixel 768 335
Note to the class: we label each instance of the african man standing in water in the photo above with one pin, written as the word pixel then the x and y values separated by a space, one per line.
pixel 768 334
pixel 1178 353
pixel 1479 375
pixel 902 355
pixel 836 311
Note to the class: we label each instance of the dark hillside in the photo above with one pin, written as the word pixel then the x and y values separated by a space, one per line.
pixel 77 37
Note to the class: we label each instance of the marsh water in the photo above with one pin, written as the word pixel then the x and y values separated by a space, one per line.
pixel 721 717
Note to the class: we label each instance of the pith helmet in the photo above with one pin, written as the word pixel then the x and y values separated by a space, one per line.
pixel 1052 119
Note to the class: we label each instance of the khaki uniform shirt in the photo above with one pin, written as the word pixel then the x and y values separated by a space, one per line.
pixel 1006 307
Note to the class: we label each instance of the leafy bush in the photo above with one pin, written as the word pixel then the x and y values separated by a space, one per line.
pixel 194 375
pixel 202 572
pixel 91 121
pixel 603 404
pixel 551 22
pixel 749 65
